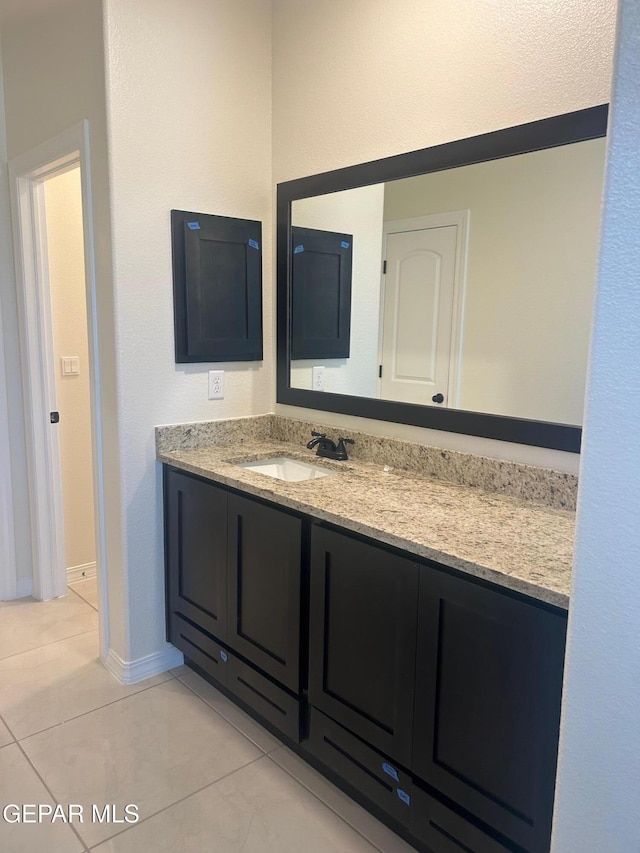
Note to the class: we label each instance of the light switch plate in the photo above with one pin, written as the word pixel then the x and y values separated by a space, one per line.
pixel 216 384
pixel 70 365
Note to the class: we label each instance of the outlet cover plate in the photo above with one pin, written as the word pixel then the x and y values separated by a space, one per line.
pixel 216 384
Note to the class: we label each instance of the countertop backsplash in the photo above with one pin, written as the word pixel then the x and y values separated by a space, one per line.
pixel 542 486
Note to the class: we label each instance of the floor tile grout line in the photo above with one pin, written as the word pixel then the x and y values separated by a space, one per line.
pixel 330 807
pixel 4 722
pixel 44 645
pixel 99 708
pixel 269 755
pixel 177 802
pixel 49 791
pixel 222 716
pixel 82 598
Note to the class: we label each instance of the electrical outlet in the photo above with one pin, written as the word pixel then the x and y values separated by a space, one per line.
pixel 216 384
pixel 317 378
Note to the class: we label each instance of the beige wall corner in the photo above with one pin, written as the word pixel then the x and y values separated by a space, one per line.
pixel 63 195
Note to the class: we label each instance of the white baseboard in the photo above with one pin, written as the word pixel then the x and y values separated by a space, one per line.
pixel 25 587
pixel 81 572
pixel 129 672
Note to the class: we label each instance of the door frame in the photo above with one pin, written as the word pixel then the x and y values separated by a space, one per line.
pixel 459 218
pixel 27 174
pixel 8 569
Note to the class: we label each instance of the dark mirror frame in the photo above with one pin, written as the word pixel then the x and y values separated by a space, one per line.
pixel 551 132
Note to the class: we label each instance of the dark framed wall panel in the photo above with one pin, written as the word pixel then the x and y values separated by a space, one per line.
pixel 217 287
pixel 551 132
pixel 320 293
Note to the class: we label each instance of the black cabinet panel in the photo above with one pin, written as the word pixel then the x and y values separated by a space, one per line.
pixel 270 701
pixel 196 515
pixel 217 284
pixel 445 831
pixel 265 553
pixel 320 293
pixel 363 615
pixel 488 704
pixel 362 767
pixel 198 647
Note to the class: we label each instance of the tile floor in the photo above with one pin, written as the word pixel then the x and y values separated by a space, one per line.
pixel 204 775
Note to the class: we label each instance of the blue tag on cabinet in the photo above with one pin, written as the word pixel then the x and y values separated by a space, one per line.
pixel 390 771
pixel 194 226
pixel 406 799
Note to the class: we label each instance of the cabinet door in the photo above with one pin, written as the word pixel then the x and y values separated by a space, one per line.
pixel 265 553
pixel 196 551
pixel 217 287
pixel 363 639
pixel 489 681
pixel 320 293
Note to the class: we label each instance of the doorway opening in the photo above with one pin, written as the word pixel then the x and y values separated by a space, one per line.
pixel 55 274
pixel 70 342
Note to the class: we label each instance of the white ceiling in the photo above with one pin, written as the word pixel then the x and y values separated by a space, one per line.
pixel 23 8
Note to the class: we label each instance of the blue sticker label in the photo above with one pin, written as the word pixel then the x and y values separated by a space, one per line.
pixel 390 771
pixel 224 656
pixel 406 799
pixel 298 249
pixel 254 244
pixel 195 226
pixel 345 245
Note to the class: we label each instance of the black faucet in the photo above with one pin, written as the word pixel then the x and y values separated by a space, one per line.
pixel 327 447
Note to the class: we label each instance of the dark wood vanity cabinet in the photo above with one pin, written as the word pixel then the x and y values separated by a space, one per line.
pixel 487 712
pixel 264 559
pixel 362 639
pixel 196 551
pixel 233 571
pixel 431 697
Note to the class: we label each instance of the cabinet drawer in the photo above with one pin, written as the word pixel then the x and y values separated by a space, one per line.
pixel 368 771
pixel 270 701
pixel 198 647
pixel 445 831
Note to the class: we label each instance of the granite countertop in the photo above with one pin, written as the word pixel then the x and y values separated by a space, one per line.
pixel 518 545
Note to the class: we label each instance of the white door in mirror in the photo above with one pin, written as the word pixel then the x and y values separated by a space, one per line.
pixel 418 312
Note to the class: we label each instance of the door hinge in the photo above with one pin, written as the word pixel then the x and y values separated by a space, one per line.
pixel 384 268
pixel 379 371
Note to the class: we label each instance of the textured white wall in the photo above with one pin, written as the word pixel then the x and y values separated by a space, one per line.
pixel 599 771
pixel 63 204
pixel 369 78
pixel 53 66
pixel 14 500
pixel 531 270
pixel 189 100
pixel 358 212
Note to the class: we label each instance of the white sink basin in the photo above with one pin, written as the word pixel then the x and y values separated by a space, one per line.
pixel 283 468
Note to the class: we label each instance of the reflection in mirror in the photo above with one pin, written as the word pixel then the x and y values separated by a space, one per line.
pixel 486 301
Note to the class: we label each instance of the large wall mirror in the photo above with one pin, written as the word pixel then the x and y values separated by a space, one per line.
pixel 449 288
